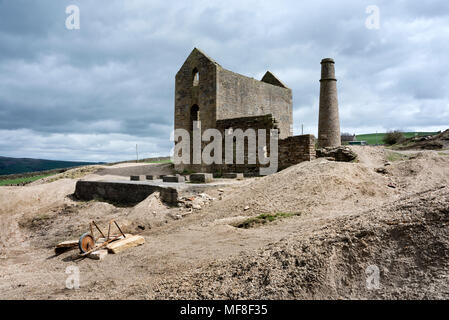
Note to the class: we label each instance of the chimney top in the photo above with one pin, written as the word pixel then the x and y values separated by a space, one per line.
pixel 327 60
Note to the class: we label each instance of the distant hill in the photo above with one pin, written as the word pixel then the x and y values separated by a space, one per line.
pixel 376 138
pixel 430 142
pixel 22 165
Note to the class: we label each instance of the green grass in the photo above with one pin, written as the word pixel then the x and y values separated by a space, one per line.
pixel 159 161
pixel 24 180
pixel 395 156
pixel 376 138
pixel 187 172
pixel 264 218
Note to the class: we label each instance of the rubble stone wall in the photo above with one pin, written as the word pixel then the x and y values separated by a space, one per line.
pixel 296 149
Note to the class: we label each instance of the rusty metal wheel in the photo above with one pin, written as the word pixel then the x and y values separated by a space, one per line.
pixel 86 242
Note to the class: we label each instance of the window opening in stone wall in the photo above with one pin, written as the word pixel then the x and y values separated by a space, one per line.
pixel 196 77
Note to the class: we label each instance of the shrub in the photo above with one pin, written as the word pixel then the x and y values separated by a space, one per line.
pixel 264 218
pixel 393 137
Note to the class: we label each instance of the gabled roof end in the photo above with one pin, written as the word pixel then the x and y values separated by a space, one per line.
pixel 272 79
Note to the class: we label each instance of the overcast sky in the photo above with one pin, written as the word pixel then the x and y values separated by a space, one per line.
pixel 94 93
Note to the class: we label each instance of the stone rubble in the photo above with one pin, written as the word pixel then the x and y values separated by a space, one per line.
pixel 195 202
pixel 341 153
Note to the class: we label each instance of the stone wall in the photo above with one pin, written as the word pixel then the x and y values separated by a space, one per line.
pixel 240 96
pixel 296 149
pixel 221 95
pixel 123 192
pixel 266 122
pixel 202 95
pixel 291 150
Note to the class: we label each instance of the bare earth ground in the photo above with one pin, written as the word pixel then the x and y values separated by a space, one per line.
pixel 348 216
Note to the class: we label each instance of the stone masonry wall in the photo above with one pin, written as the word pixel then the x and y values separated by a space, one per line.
pixel 123 192
pixel 296 149
pixel 187 95
pixel 291 150
pixel 227 99
pixel 266 122
pixel 240 96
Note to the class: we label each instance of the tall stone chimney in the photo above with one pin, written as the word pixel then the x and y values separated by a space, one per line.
pixel 329 122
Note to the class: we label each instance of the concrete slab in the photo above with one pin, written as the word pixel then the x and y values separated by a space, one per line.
pixel 176 178
pixel 231 175
pixel 201 177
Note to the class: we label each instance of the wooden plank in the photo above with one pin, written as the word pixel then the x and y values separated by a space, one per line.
pixel 123 244
pixel 67 244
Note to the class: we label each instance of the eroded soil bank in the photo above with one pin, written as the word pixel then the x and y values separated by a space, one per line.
pixel 337 220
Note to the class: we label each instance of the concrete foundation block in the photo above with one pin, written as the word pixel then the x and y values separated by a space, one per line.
pixel 201 177
pixel 231 175
pixel 124 192
pixel 176 178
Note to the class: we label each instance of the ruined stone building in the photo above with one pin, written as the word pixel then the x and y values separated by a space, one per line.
pixel 223 99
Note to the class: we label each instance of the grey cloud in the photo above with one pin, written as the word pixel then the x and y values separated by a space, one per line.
pixel 112 81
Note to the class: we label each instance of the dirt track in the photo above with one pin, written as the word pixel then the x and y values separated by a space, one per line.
pixel 350 216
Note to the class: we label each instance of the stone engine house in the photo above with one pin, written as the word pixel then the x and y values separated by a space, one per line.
pixel 222 99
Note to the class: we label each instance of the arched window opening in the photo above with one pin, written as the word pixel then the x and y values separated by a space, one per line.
pixel 196 77
pixel 194 115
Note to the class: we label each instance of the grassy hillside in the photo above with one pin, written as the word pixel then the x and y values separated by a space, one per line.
pixel 23 180
pixel 22 165
pixel 376 138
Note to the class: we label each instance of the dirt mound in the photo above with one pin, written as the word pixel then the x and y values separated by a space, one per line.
pixel 316 228
pixel 32 201
pixel 149 213
pixel 319 185
pixel 420 172
pixel 52 224
pixel 329 187
pixel 438 141
pixel 370 156
pixel 408 243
